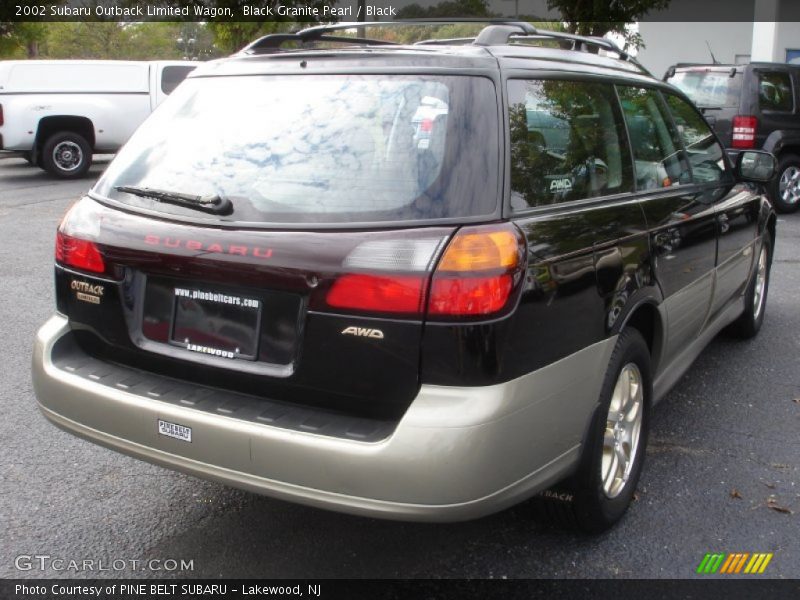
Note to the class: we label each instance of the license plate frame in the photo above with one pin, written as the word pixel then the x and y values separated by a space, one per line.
pixel 242 312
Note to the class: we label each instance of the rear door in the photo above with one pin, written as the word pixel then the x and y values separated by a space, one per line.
pixel 680 220
pixel 776 107
pixel 736 207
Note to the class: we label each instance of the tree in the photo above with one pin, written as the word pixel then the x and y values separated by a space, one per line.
pixel 20 39
pixel 599 17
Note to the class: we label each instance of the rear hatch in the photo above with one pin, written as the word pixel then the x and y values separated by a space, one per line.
pixel 716 91
pixel 278 235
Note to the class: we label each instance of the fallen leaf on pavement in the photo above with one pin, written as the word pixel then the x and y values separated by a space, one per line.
pixel 773 504
pixel 735 494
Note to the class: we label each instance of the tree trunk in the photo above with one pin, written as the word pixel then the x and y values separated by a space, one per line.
pixel 32 48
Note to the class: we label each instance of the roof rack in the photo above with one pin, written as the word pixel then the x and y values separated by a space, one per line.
pixel 321 33
pixel 498 32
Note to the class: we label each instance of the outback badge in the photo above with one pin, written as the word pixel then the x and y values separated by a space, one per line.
pixel 87 292
pixel 363 332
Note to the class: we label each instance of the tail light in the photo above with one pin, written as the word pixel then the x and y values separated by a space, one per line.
pixel 744 131
pixel 476 276
pixel 78 254
pixel 478 272
pixel 74 246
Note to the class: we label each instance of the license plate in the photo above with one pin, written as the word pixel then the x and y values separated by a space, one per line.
pixel 173 430
pixel 216 323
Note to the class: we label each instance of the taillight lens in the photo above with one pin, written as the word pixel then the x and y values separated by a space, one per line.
pixel 476 275
pixel 744 131
pixel 379 293
pixel 478 272
pixel 78 254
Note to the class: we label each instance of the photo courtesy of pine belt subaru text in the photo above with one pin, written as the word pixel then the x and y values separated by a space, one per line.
pixel 422 282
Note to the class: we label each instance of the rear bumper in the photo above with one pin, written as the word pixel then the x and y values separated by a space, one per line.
pixel 457 453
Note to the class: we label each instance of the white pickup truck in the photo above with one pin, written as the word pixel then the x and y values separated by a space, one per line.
pixel 58 113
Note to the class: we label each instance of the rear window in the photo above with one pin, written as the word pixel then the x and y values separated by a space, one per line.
pixel 715 89
pixel 320 149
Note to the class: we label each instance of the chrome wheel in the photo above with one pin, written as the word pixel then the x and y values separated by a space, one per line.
pixel 67 155
pixel 623 428
pixel 789 185
pixel 760 284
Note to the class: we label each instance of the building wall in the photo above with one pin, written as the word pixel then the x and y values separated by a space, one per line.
pixel 667 43
pixel 787 38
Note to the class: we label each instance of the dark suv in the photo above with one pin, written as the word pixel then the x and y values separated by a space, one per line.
pixel 752 106
pixel 421 282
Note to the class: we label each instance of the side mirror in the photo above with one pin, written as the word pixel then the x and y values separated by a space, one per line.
pixel 756 166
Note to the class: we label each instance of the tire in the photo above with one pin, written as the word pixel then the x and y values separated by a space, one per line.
pixel 785 186
pixel 749 323
pixel 589 501
pixel 66 155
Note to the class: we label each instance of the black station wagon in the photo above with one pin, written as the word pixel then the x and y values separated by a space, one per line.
pixel 420 282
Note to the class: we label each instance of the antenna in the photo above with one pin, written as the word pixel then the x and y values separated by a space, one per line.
pixel 711 52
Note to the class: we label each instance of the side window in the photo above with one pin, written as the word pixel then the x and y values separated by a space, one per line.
pixel 172 76
pixel 659 160
pixel 567 142
pixel 775 91
pixel 705 153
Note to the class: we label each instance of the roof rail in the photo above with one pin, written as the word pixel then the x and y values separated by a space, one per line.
pixel 498 32
pixel 319 33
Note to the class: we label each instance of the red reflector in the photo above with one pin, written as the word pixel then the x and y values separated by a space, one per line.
pixel 378 293
pixel 744 131
pixel 80 254
pixel 426 125
pixel 469 295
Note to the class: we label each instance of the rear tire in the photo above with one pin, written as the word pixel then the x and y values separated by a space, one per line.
pixel 785 187
pixel 749 323
pixel 598 494
pixel 66 155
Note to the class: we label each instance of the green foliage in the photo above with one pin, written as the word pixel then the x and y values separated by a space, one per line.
pixel 599 17
pixel 21 40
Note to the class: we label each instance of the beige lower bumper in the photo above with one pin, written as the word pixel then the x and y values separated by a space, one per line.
pixel 458 453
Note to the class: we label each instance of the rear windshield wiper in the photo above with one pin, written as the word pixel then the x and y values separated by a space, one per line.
pixel 214 204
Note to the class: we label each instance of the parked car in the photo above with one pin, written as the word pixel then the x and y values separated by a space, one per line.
pixel 57 113
pixel 275 286
pixel 752 106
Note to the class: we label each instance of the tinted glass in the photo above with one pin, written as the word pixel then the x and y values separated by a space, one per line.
pixel 658 158
pixel 567 142
pixel 709 88
pixel 172 76
pixel 705 153
pixel 320 149
pixel 775 91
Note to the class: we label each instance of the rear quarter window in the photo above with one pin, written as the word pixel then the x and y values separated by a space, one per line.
pixel 172 76
pixel 775 91
pixel 567 142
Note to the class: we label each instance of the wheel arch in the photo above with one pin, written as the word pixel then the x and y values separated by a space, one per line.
pixel 56 123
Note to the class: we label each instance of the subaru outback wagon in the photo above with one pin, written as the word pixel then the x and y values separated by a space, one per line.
pixel 420 282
